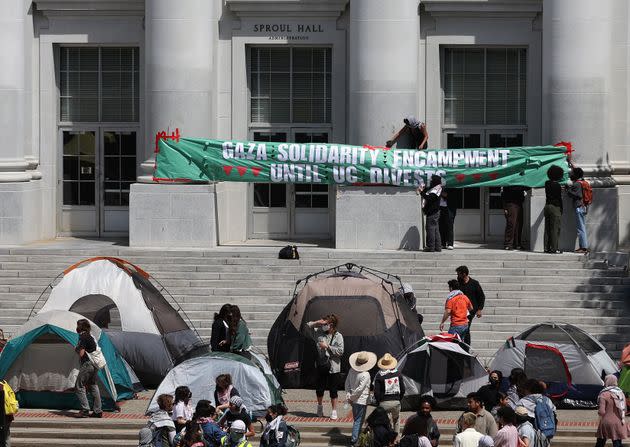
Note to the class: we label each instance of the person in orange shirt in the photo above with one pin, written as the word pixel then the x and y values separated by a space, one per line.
pixel 457 308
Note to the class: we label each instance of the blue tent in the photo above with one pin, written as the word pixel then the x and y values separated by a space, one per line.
pixel 41 366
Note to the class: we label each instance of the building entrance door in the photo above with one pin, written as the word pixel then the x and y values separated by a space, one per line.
pixel 290 211
pixel 97 167
pixel 480 210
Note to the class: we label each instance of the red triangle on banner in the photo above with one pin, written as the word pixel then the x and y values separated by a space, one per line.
pixel 255 171
pixel 460 177
pixel 227 169
pixel 477 177
pixel 493 175
pixel 241 170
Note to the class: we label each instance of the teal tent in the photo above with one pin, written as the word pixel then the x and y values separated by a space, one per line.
pixel 41 365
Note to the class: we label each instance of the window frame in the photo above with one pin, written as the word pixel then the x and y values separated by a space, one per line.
pixel 140 87
pixel 484 125
pixel 266 125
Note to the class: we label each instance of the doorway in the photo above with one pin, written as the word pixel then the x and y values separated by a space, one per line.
pixel 290 211
pixel 96 168
pixel 480 210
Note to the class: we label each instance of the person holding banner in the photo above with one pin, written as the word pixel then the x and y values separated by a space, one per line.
pixel 413 135
pixel 553 209
pixel 431 208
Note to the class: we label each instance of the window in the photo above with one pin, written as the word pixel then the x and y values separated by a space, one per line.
pixel 290 85
pixel 120 166
pixel 485 86
pixel 79 161
pixel 99 84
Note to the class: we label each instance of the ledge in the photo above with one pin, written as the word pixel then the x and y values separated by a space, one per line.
pixel 275 8
pixel 98 7
pixel 483 8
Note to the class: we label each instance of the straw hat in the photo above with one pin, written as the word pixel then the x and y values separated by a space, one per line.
pixel 362 361
pixel 521 411
pixel 387 362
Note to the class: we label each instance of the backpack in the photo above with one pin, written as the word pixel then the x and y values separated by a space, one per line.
pixel 587 192
pixel 293 436
pixel 289 252
pixel 11 405
pixel 544 418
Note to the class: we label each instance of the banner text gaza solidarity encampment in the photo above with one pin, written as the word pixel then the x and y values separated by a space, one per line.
pixel 192 159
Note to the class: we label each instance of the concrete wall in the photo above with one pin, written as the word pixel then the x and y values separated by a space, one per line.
pixel 602 221
pixel 172 216
pixel 378 217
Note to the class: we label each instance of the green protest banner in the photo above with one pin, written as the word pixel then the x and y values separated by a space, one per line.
pixel 192 159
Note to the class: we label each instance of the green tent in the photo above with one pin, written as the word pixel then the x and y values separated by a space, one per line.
pixel 41 365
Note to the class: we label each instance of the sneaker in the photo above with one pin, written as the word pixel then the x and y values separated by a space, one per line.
pixel 320 411
pixel 333 415
pixel 508 248
pixel 83 414
pixel 450 247
pixel 96 415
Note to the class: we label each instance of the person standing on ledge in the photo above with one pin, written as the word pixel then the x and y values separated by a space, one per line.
pixel 472 289
pixel 413 135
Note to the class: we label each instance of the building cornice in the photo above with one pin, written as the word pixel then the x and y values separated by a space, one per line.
pixel 287 8
pixel 93 7
pixel 483 8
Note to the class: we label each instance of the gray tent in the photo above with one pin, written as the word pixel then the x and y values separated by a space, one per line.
pixel 258 388
pixel 571 361
pixel 440 366
pixel 152 335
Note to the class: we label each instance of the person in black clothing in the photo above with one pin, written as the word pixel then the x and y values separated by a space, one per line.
pixel 448 210
pixel 422 423
pixel 431 210
pixel 513 198
pixel 472 289
pixel 553 209
pixel 237 410
pixel 389 388
pixel 378 421
pixel 224 391
pixel 87 372
pixel 220 336
pixel 489 393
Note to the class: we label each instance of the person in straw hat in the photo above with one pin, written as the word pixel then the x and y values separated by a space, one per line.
pixel 358 388
pixel 389 388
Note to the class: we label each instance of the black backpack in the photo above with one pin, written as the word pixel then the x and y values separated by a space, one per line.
pixel 289 252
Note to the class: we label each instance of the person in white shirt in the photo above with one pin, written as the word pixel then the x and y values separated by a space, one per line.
pixel 469 437
pixel 358 388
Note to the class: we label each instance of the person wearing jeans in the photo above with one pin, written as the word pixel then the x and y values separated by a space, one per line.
pixel 576 193
pixel 431 209
pixel 457 307
pixel 358 388
pixel 87 372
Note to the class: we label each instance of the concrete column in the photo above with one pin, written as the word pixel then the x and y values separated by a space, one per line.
pixel 383 68
pixel 180 59
pixel 13 166
pixel 577 79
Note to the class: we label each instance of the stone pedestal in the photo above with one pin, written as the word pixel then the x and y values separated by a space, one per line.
pixel 172 216
pixel 623 207
pixel 602 221
pixel 378 217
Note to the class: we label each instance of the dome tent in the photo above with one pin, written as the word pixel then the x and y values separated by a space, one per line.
pixel 570 361
pixel 153 335
pixel 443 367
pixel 258 389
pixel 41 365
pixel 372 317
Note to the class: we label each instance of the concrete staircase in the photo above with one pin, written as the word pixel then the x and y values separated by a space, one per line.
pixel 522 288
pixel 64 432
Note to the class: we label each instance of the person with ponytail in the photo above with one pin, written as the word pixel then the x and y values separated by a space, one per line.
pixel 204 416
pixel 276 430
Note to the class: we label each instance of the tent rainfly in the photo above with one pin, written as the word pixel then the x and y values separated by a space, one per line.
pixel 443 367
pixel 153 335
pixel 372 317
pixel 41 365
pixel 569 360
pixel 258 388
